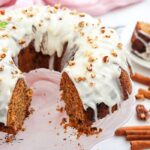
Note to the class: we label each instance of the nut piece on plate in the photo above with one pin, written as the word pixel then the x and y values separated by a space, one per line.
pixel 142 112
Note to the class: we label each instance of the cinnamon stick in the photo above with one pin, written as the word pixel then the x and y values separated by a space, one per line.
pixel 141 79
pixel 138 132
pixel 138 145
pixel 122 131
pixel 137 137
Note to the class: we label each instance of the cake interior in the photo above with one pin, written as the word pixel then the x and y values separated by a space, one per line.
pixel 18 108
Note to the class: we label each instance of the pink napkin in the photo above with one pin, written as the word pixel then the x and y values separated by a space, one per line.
pixel 93 7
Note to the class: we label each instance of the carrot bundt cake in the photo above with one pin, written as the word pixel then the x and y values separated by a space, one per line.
pixel 95 71
pixel 140 41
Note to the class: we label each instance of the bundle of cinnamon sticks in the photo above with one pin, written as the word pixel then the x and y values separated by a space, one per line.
pixel 139 136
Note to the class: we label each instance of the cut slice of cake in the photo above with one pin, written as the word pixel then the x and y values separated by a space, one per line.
pixel 18 108
pixel 140 41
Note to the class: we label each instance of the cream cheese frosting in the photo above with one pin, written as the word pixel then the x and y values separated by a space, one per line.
pixel 95 67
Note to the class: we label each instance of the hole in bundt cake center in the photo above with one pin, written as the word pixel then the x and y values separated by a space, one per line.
pixel 29 59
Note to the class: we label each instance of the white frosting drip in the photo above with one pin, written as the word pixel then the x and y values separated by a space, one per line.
pixel 145 55
pixel 50 28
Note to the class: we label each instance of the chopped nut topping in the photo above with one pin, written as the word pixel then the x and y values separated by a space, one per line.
pixel 82 15
pixel 21 41
pixel 87 24
pixel 11 62
pixel 24 11
pixel 57 6
pixel 90 40
pixel 94 46
pixel 30 14
pixel 4 49
pixel 92 84
pixel 4 36
pixel 120 45
pixel 89 67
pixel 2 12
pixel 111 31
pixel 81 24
pixel 1 68
pixel 14 27
pixel 40 24
pixel 71 63
pixel 91 59
pixel 105 59
pixel 2 56
pixel 9 18
pixel 74 12
pixel 113 53
pixel 82 33
pixel 79 79
pixel 93 75
pixel 107 36
pixel 102 30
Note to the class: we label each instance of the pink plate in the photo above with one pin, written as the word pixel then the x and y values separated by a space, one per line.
pixel 43 129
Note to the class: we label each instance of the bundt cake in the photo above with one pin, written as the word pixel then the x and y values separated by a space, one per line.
pixel 140 41
pixel 95 71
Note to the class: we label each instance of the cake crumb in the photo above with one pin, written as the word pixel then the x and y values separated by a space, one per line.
pixel 9 138
pixel 64 120
pixel 23 129
pixel 60 109
pixel 31 111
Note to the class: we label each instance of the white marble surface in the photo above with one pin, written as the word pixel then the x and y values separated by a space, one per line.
pixel 118 18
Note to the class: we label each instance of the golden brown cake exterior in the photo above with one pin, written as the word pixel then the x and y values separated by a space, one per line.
pixel 18 108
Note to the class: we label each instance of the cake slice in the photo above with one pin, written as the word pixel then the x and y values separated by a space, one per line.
pixel 17 108
pixel 140 40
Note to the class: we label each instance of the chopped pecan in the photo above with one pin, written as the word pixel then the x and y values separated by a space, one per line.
pixel 142 112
